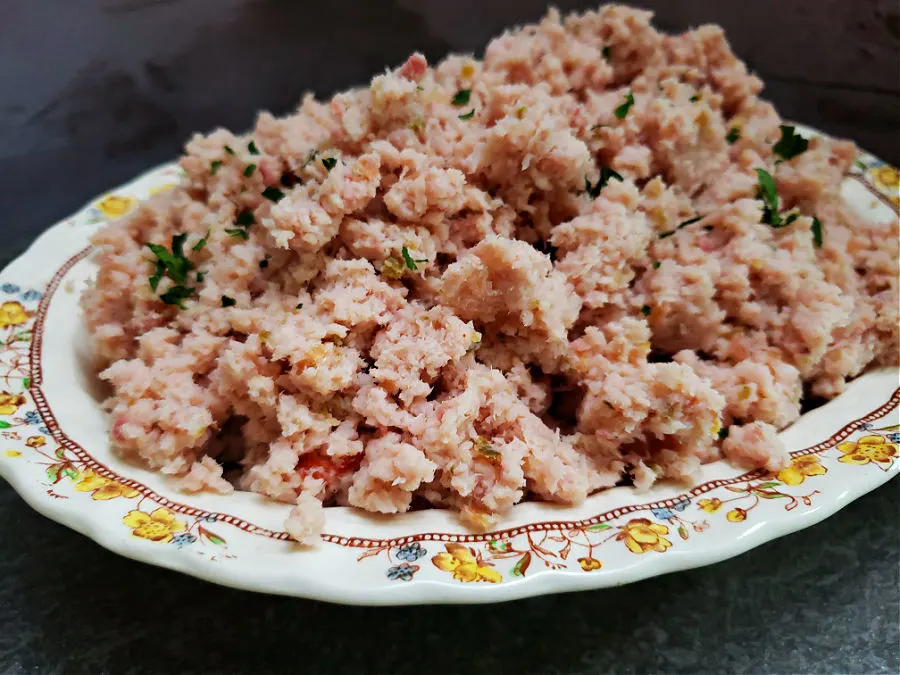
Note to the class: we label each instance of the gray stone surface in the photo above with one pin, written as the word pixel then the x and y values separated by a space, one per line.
pixel 94 91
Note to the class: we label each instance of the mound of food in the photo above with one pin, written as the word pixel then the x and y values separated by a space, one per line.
pixel 594 257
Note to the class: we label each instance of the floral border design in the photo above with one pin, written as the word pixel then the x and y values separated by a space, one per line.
pixel 69 471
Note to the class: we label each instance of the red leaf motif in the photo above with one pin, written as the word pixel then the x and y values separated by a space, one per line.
pixel 212 536
pixel 520 567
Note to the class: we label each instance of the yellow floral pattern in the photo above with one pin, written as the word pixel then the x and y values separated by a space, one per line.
pixel 12 314
pixel 102 488
pixel 114 206
pixel 10 403
pixel 868 449
pixel 800 469
pixel 710 505
pixel 642 535
pixel 464 565
pixel 160 525
pixel 36 441
pixel 590 564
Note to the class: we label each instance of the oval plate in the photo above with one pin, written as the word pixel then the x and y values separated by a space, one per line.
pixel 55 452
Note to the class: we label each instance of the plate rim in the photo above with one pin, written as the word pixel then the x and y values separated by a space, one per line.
pixel 441 591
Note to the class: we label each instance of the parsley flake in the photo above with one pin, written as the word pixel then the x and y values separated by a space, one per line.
pixel 174 262
pixel 409 260
pixel 228 301
pixel 816 229
pixel 656 264
pixel 201 243
pixel 791 143
pixel 245 218
pixel 694 98
pixel 768 193
pixel 200 277
pixel 645 310
pixel 861 165
pixel 229 150
pixel 264 263
pixel 461 97
pixel 238 232
pixel 605 176
pixel 487 450
pixel 299 305
pixel 723 433
pixel 623 109
pixel 252 149
pixel 249 170
pixel 329 162
pixel 177 295
pixel 606 53
pixel 214 166
pixel 467 116
pixel 734 133
pixel 157 275
pixel 272 193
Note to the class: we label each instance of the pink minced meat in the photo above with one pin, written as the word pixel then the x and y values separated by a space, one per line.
pixel 534 293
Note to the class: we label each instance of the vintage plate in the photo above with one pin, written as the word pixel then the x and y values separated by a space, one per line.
pixel 54 452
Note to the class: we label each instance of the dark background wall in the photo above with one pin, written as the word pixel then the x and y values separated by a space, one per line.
pixel 94 91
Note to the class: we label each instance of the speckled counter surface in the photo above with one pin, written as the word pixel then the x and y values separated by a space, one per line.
pixel 95 91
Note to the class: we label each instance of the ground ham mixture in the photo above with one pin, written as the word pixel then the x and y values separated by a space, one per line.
pixel 594 257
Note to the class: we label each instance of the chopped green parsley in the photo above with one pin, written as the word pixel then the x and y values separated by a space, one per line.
pixel 252 149
pixel 791 143
pixel 734 133
pixel 409 260
pixel 214 166
pixel 816 229
pixel 272 193
pixel 605 176
pixel 606 53
pixel 228 301
pixel 238 232
pixel 249 170
pixel 461 97
pixel 623 109
pixel 329 162
pixel 467 116
pixel 201 243
pixel 245 218
pixel 645 310
pixel 177 295
pixel 229 150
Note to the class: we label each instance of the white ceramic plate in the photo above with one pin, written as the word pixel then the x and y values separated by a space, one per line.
pixel 54 451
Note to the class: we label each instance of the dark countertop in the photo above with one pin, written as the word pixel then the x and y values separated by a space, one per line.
pixel 93 92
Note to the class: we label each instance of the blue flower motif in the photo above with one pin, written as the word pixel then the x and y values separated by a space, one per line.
pixel 866 426
pixel 32 295
pixel 402 572
pixel 668 513
pixel 682 505
pixel 894 437
pixel 209 519
pixel 32 417
pixel 9 288
pixel 662 514
pixel 44 430
pixel 183 539
pixel 411 552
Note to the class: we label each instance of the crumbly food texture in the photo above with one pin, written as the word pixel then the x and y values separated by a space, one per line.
pixel 535 275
